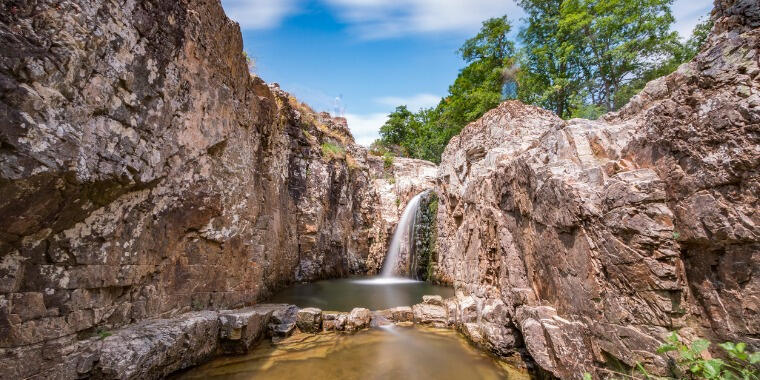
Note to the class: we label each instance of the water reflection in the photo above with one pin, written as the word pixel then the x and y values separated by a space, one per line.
pixel 387 353
pixel 374 293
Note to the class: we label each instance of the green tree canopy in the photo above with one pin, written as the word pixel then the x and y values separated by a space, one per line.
pixel 579 58
pixel 580 53
pixel 479 87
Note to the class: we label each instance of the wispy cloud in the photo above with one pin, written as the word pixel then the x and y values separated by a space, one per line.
pixel 366 128
pixel 259 14
pixel 391 18
pixel 687 14
pixel 413 103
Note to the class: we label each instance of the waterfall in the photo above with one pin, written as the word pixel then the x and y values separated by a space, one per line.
pixel 402 241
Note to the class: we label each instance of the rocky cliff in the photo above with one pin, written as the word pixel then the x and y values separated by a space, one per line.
pixel 594 239
pixel 145 173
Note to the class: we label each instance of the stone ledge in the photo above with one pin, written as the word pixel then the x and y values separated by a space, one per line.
pixel 154 349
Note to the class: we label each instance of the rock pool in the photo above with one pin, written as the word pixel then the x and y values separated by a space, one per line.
pixel 379 353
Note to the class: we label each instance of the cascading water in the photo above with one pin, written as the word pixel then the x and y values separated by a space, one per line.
pixel 402 242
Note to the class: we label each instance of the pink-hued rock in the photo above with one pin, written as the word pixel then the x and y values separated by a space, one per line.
pixel 597 238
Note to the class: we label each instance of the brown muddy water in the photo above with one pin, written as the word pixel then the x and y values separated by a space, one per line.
pixel 379 353
pixel 374 293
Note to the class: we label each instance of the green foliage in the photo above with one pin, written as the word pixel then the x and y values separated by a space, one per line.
pixel 690 362
pixel 377 148
pixel 249 62
pixel 677 52
pixel 307 134
pixel 102 333
pixel 332 150
pixel 738 364
pixel 388 160
pixel 480 86
pixel 579 58
pixel 584 52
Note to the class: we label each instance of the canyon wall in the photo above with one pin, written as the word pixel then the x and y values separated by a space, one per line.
pixel 145 173
pixel 594 239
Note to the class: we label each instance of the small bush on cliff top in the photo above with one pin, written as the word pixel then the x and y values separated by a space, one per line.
pixel 387 160
pixel 690 363
pixel 332 150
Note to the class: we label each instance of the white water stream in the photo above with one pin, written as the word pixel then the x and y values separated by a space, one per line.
pixel 402 241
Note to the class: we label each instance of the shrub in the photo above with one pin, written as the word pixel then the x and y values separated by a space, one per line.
pixel 332 150
pixel 102 334
pixel 739 364
pixel 387 160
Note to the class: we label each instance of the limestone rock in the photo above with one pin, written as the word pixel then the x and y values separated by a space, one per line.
pixel 400 314
pixel 334 321
pixel 433 300
pixel 239 329
pixel 358 319
pixel 430 314
pixel 597 238
pixel 309 320
pixel 158 348
pixel 283 320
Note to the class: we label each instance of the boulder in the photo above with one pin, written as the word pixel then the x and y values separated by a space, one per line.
pixel 309 320
pixel 283 320
pixel 433 300
pixel 358 319
pixel 400 314
pixel 334 321
pixel 240 329
pixel 155 349
pixel 435 315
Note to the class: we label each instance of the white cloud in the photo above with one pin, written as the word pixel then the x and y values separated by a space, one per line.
pixel 413 103
pixel 366 128
pixel 259 14
pixel 390 18
pixel 687 14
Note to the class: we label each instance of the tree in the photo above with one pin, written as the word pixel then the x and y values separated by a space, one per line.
pixel 396 130
pixel 620 39
pixel 579 53
pixel 480 86
pixel 678 53
pixel 551 66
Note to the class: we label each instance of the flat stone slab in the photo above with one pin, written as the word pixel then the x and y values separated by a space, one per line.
pixel 240 329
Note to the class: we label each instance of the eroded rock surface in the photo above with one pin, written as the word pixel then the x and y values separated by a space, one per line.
pixel 145 173
pixel 595 239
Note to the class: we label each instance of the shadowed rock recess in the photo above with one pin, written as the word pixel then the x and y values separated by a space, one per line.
pixel 150 185
pixel 144 173
pixel 596 238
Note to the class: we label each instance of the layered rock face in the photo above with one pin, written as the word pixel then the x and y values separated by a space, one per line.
pixel 597 238
pixel 146 173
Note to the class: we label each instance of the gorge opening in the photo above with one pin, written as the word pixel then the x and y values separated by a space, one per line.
pixel 396 285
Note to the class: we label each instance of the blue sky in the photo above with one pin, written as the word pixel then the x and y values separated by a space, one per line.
pixel 362 58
